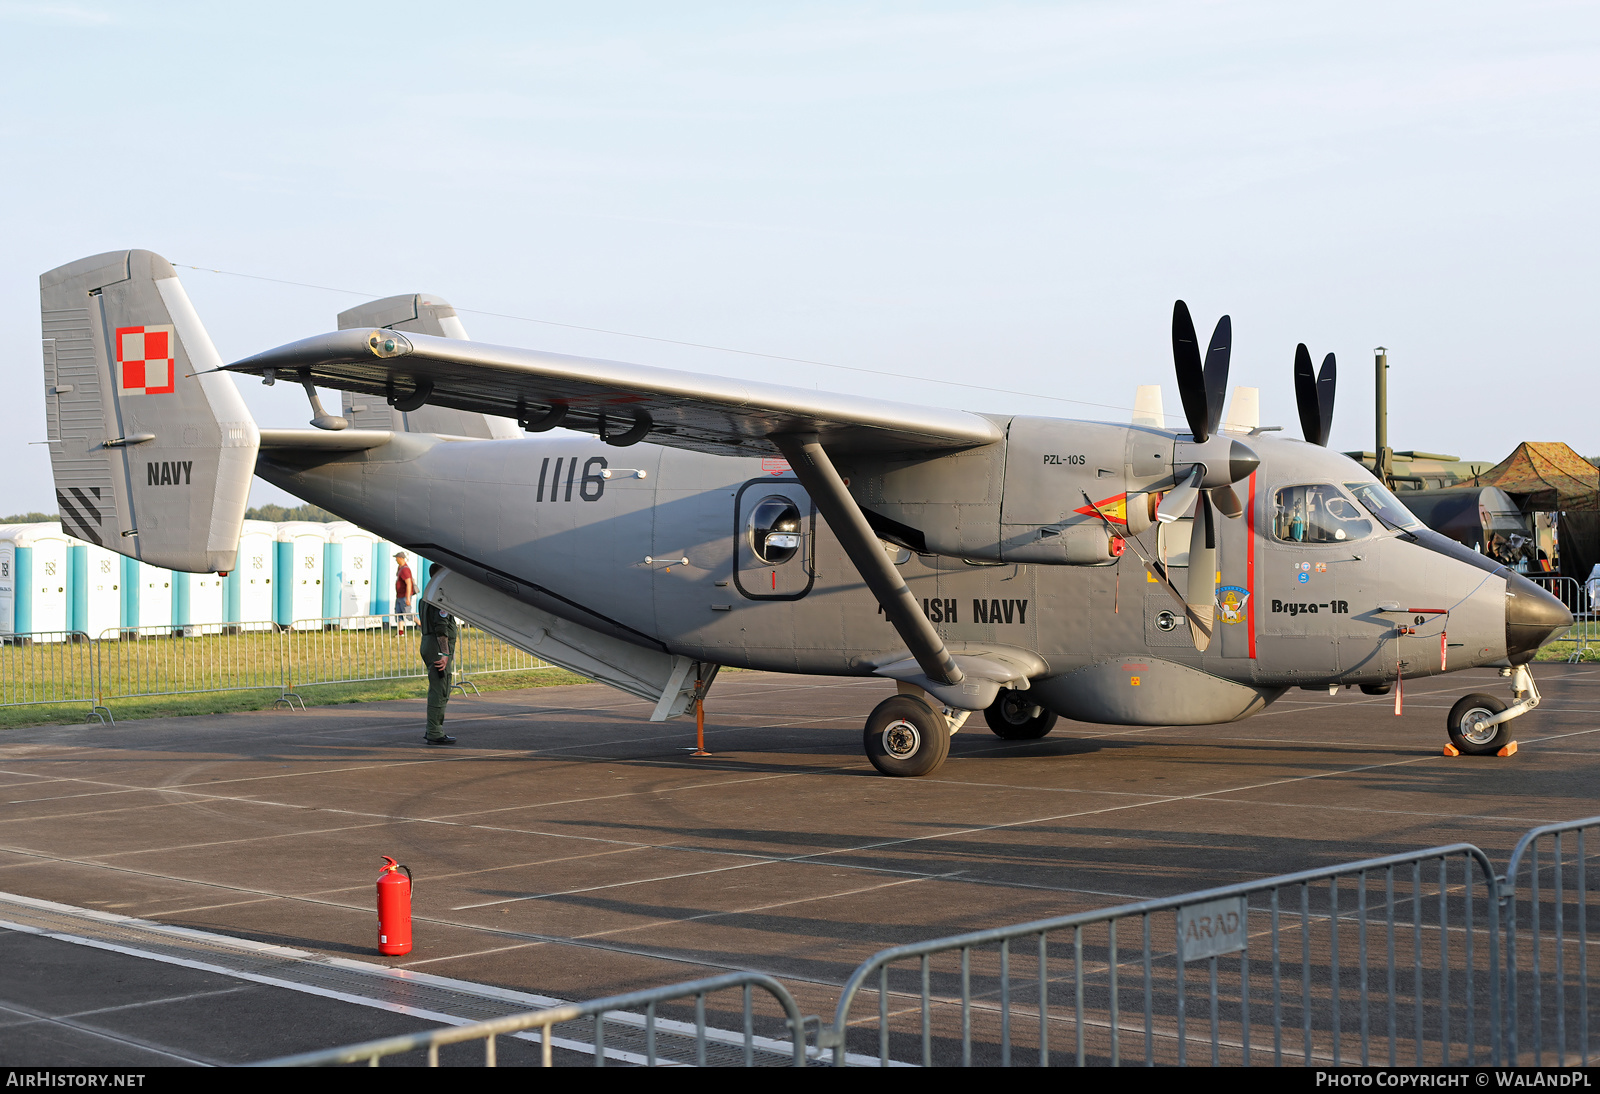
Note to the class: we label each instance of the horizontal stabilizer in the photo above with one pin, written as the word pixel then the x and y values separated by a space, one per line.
pixel 325 440
pixel 416 313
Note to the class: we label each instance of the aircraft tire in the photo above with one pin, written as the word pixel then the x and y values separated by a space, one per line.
pixel 905 737
pixel 1376 689
pixel 1470 740
pixel 1013 716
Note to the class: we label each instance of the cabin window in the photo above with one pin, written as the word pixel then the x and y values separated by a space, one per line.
pixel 775 530
pixel 1318 514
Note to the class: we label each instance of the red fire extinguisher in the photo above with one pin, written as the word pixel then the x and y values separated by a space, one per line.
pixel 394 909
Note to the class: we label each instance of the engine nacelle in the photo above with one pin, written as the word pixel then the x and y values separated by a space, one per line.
pixel 1053 492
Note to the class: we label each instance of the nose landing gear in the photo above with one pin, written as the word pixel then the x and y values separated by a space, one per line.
pixel 1480 725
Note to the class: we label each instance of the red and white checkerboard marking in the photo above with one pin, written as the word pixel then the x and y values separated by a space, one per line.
pixel 147 356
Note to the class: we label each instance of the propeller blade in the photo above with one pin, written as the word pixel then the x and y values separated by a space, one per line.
pixel 1202 592
pixel 1305 395
pixel 1176 505
pixel 1314 394
pixel 1216 374
pixel 1327 380
pixel 1227 502
pixel 1191 374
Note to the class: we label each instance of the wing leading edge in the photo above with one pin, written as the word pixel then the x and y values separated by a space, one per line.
pixel 621 402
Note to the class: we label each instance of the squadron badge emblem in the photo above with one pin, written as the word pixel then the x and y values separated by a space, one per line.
pixel 1230 602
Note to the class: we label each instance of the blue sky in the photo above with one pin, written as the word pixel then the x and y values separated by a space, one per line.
pixel 1001 195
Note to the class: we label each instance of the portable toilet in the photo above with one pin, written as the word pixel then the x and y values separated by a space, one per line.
pixel 348 565
pixel 153 590
pixel 301 545
pixel 36 557
pixel 383 568
pixel 198 602
pixel 8 589
pixel 96 602
pixel 249 588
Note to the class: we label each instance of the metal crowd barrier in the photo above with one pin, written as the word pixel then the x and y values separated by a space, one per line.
pixel 142 662
pixel 1547 944
pixel 68 667
pixel 1571 593
pixel 386 647
pixel 1340 964
pixel 646 1031
pixel 48 667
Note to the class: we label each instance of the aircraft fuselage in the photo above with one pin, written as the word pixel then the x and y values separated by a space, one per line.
pixel 654 545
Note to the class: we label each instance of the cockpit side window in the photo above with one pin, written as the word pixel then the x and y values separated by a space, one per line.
pixel 1383 505
pixel 1320 513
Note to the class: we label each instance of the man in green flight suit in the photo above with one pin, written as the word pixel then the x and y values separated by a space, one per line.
pixel 438 646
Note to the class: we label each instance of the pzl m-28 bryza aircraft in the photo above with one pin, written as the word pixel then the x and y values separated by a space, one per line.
pixel 1026 567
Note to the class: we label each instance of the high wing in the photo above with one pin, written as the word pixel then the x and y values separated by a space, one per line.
pixel 623 403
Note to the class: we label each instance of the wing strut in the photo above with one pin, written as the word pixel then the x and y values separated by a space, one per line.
pixel 817 474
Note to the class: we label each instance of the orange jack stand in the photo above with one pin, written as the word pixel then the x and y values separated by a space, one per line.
pixel 699 728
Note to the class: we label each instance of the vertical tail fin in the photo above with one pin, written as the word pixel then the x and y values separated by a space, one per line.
pixel 152 456
pixel 424 314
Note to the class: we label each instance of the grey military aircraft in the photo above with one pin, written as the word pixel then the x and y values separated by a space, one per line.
pixel 1022 566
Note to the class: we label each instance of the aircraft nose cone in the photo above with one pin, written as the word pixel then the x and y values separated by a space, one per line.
pixel 1241 461
pixel 1533 617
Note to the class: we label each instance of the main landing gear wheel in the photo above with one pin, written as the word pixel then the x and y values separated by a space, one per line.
pixel 1016 717
pixel 906 737
pixel 1376 689
pixel 1468 733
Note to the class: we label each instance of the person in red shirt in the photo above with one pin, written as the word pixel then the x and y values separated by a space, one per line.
pixel 405 588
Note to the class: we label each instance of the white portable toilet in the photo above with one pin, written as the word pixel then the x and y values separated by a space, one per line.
pixel 155 597
pixel 349 568
pixel 199 605
pixel 8 581
pixel 251 591
pixel 98 575
pixel 301 545
pixel 37 558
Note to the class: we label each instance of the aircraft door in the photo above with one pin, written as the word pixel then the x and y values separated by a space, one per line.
pixel 1306 563
pixel 774 542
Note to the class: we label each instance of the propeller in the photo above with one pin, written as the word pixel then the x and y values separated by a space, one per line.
pixel 1214 462
pixel 1314 393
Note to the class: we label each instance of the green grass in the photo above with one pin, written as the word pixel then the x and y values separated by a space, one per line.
pixel 316 695
pixel 1561 650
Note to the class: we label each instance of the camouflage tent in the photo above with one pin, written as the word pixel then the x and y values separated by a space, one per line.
pixel 1546 477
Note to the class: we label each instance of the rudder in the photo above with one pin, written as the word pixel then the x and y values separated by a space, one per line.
pixel 152 456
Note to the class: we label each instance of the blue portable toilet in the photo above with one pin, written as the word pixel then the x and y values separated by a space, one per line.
pixel 249 590
pixel 94 605
pixel 350 575
pixel 299 574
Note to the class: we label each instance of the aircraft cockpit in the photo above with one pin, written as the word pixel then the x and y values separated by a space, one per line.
pixel 1318 513
pixel 1326 513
